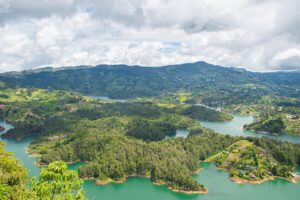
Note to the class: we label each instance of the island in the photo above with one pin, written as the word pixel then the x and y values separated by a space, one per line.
pixel 270 125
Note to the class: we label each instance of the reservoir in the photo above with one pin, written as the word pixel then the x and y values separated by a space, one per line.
pixel 235 128
pixel 218 183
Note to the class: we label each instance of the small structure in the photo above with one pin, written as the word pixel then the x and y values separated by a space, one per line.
pixel 2 106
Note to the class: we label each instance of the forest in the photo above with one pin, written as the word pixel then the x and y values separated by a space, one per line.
pixel 117 140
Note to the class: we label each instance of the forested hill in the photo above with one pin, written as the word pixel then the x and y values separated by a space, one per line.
pixel 122 81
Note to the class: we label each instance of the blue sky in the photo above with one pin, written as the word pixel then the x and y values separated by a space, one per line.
pixel 170 47
pixel 259 35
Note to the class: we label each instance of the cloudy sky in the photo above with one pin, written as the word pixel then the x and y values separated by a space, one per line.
pixel 260 35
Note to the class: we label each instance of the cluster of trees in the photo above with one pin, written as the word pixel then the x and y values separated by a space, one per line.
pixel 245 160
pixel 270 125
pixel 147 109
pixel 203 113
pixel 12 176
pixel 54 182
pixel 113 155
pixel 284 152
pixel 150 130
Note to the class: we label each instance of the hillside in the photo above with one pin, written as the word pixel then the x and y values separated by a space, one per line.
pixel 248 163
pixel 211 83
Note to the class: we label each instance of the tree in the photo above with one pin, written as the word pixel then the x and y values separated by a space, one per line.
pixel 57 183
pixel 12 176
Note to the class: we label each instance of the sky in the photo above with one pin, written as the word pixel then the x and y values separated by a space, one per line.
pixel 259 35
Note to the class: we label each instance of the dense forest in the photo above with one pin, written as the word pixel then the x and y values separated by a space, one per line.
pixel 269 125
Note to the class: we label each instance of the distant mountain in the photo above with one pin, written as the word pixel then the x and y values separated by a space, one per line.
pixel 212 82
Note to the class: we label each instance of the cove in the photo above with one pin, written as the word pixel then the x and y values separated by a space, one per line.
pixel 218 182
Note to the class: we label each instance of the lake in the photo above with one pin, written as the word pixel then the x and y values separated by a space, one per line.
pixel 218 183
pixel 235 128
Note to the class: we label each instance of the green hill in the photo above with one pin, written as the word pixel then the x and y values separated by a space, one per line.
pixel 248 163
pixel 213 84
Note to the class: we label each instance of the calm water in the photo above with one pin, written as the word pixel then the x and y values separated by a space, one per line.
pixel 182 133
pixel 105 98
pixel 235 128
pixel 218 183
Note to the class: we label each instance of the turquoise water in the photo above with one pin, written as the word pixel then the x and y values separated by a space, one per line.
pixel 218 183
pixel 235 128
pixel 182 133
pixel 19 150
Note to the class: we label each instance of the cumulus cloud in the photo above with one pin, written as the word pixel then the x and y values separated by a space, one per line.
pixel 258 35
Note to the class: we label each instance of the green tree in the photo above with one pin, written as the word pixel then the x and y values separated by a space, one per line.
pixel 57 183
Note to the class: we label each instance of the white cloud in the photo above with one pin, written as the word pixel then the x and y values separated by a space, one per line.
pixel 289 59
pixel 258 35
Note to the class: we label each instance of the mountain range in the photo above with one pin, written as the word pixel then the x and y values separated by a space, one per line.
pixel 210 82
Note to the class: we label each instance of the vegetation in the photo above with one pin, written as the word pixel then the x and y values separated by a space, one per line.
pixel 273 114
pixel 248 162
pixel 55 181
pixel 12 176
pixel 113 156
pixel 269 125
pixel 213 85
pixel 36 111
pixel 117 140
pixel 69 124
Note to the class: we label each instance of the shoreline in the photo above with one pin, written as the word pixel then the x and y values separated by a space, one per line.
pixel 254 182
pixel 123 180
pixel 271 178
pixel 205 191
pixel 103 182
pixel 109 180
